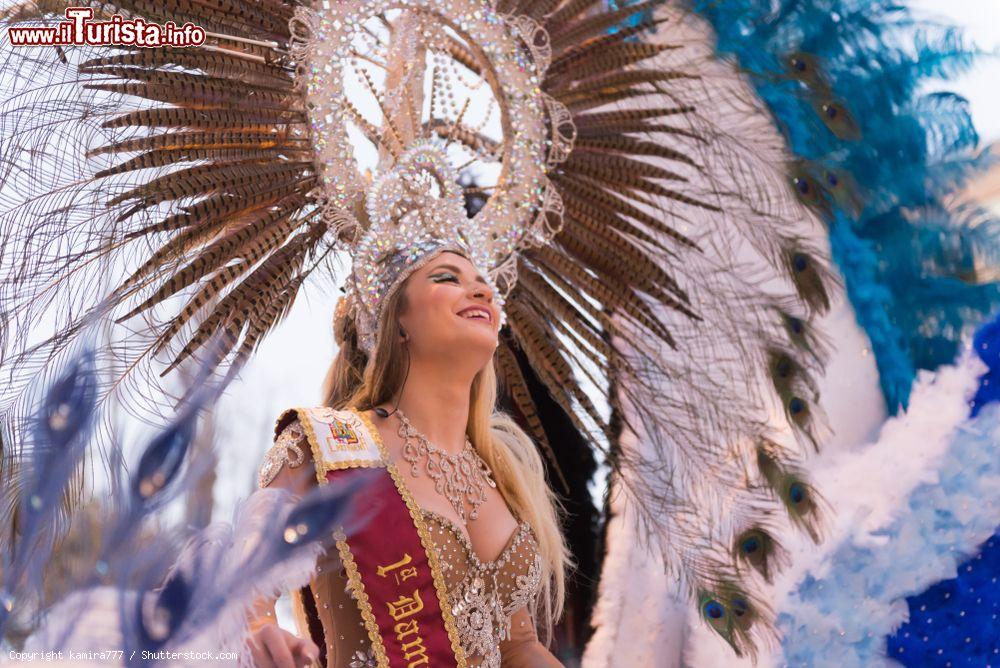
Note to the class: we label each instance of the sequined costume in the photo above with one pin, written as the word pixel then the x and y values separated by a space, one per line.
pixel 491 599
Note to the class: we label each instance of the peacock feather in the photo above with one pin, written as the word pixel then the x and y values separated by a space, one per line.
pixel 877 157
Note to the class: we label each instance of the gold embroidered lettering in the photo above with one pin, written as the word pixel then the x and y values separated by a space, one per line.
pixel 414 649
pixel 406 606
pixel 404 629
pixel 382 570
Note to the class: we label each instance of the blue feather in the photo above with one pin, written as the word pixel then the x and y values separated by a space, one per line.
pixel 906 258
pixel 60 429
pixel 165 598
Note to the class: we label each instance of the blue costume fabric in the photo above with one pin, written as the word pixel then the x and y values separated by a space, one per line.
pixel 954 622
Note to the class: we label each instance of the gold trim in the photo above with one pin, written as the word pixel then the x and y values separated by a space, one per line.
pixel 318 461
pixel 280 419
pixel 425 539
pixel 322 464
pixel 354 464
pixel 353 576
pixel 364 605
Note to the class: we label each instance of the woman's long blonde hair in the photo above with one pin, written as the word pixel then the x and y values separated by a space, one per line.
pixel 503 445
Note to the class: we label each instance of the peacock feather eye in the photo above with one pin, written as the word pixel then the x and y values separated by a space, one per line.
pixel 159 622
pixel 69 405
pixel 794 491
pixel 784 371
pixel 807 69
pixel 795 389
pixel 740 607
pixel 838 120
pixel 803 510
pixel 844 190
pixel 713 610
pixel 161 461
pixel 729 612
pixel 805 342
pixel 802 176
pixel 810 279
pixel 742 613
pixel 761 551
pixel 809 192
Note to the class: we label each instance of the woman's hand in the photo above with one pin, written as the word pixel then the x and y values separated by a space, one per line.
pixel 273 647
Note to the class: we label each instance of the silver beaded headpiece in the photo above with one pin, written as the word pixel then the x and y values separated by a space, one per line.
pixel 405 99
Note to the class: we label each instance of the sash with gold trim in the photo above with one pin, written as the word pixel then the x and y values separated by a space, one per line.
pixel 390 562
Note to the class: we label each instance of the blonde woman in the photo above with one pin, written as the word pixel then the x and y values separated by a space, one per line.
pixel 427 400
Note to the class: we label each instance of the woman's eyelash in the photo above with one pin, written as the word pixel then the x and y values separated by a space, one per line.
pixel 446 277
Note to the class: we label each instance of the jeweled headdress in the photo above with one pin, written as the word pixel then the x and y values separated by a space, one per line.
pixel 428 88
pixel 657 297
pixel 415 211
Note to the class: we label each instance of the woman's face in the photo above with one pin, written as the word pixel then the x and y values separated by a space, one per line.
pixel 449 308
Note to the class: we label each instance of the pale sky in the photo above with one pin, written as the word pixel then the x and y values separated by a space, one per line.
pixel 981 21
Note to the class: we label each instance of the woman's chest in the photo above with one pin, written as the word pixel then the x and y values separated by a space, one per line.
pixel 483 595
pixel 454 490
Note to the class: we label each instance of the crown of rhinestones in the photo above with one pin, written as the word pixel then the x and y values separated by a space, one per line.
pixel 385 83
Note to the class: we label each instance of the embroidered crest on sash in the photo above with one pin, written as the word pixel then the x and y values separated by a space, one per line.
pixel 339 439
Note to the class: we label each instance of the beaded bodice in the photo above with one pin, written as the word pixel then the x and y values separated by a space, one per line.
pixel 483 595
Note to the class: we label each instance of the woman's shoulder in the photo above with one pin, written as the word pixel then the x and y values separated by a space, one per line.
pixel 325 438
pixel 323 415
pixel 302 415
pixel 289 461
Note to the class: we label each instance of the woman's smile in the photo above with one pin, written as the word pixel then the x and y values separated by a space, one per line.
pixel 477 313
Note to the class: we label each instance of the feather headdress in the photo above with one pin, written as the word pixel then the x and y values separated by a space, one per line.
pixel 614 224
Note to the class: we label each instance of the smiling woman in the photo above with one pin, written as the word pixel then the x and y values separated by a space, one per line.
pixel 451 287
pixel 474 512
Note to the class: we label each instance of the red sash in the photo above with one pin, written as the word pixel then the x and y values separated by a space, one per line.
pixel 389 558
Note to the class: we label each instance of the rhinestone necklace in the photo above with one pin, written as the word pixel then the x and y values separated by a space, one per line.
pixel 461 478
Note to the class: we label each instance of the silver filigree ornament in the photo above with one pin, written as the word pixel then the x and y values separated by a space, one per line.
pixel 411 199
